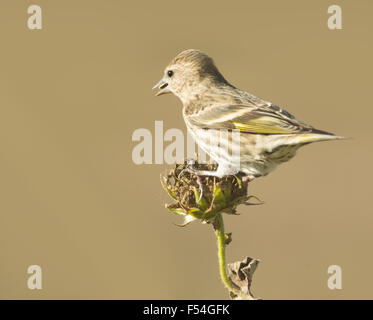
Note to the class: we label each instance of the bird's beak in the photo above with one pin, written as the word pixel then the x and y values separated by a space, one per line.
pixel 162 86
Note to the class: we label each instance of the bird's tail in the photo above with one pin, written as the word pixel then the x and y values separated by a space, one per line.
pixel 317 135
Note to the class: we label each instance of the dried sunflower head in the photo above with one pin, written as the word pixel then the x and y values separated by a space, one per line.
pixel 202 197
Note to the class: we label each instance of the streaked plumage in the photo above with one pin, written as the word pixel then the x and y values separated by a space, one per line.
pixel 268 134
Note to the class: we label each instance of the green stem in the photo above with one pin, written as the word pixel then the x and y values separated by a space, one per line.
pixel 220 234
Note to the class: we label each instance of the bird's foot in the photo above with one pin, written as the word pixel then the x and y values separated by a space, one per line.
pixel 200 188
pixel 199 174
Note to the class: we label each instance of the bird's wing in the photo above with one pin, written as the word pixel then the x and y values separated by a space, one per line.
pixel 249 118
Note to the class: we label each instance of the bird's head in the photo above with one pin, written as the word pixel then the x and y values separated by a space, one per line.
pixel 190 72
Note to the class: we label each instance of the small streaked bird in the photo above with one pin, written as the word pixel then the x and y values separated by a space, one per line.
pixel 268 135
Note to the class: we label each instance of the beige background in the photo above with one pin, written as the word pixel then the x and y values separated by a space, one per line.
pixel 73 202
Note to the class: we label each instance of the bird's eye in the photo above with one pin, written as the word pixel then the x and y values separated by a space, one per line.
pixel 170 73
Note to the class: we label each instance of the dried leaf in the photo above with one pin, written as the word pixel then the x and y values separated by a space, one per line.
pixel 241 274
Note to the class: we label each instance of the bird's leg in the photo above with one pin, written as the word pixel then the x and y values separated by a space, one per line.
pixel 220 172
pixel 192 170
pixel 202 172
pixel 200 189
pixel 190 162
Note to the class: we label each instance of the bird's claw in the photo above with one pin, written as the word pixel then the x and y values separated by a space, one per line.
pixel 195 172
pixel 200 189
pixel 190 170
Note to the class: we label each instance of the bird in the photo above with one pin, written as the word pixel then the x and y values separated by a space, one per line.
pixel 262 134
